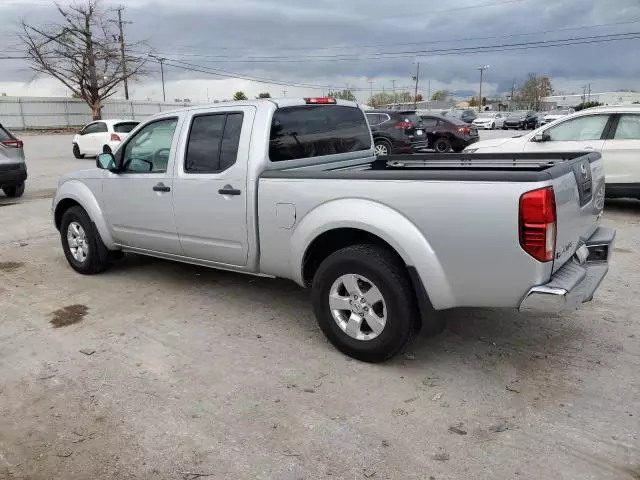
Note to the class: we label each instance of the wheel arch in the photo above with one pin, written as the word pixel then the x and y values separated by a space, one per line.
pixel 74 193
pixel 340 223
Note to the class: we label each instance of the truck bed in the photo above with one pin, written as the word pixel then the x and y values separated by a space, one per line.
pixel 493 167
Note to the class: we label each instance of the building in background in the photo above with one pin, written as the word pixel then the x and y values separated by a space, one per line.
pixel 606 98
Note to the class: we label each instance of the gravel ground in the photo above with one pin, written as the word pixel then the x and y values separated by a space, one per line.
pixel 158 370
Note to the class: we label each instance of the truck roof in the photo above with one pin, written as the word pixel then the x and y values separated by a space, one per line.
pixel 278 102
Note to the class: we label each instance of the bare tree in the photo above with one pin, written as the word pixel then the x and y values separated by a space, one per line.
pixel 81 51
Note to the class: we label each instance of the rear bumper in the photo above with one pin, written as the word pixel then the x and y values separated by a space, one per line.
pixel 576 282
pixel 12 174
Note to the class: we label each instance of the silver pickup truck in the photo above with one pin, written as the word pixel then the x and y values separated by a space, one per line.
pixel 291 188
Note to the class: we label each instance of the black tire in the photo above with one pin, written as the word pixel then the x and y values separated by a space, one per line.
pixel 504 128
pixel 389 275
pixel 493 126
pixel 442 145
pixel 76 152
pixel 382 144
pixel 106 149
pixel 14 191
pixel 98 257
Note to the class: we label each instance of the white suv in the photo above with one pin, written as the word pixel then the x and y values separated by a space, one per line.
pixel 102 136
pixel 614 131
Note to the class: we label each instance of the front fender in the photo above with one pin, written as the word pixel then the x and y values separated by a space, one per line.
pixel 79 192
pixel 384 222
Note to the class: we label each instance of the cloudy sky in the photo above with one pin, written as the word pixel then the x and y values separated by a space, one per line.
pixel 307 47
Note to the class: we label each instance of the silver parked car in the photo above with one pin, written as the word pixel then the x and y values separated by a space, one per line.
pixel 291 188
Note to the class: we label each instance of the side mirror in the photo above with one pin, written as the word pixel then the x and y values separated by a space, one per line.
pixel 105 161
pixel 541 137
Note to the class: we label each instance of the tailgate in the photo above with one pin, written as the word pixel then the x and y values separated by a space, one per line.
pixel 579 194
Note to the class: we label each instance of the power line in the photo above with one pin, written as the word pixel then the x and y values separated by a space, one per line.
pixel 433 52
pixel 425 42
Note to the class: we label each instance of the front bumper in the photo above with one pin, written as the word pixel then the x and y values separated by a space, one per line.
pixel 577 280
pixel 12 174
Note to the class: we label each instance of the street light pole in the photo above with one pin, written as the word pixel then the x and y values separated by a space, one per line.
pixel 415 96
pixel 482 69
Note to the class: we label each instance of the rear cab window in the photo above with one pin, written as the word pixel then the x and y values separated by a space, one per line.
pixel 308 131
pixel 124 127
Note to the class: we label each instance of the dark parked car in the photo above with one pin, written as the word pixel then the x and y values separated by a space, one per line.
pixel 467 115
pixel 521 120
pixel 448 133
pixel 396 131
pixel 13 169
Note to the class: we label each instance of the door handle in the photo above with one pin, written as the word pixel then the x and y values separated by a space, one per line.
pixel 229 190
pixel 161 187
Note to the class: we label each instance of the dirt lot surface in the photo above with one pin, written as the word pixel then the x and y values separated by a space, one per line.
pixel 156 370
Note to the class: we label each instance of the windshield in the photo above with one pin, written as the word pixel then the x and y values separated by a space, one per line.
pixel 456 121
pixel 486 115
pixel 518 115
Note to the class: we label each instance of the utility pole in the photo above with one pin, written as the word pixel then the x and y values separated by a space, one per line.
pixel 417 79
pixel 284 93
pixel 482 69
pixel 589 99
pixel 371 92
pixel 124 59
pixel 393 82
pixel 429 91
pixel 584 93
pixel 164 95
pixel 513 92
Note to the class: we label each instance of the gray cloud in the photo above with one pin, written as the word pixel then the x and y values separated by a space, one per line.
pixel 218 36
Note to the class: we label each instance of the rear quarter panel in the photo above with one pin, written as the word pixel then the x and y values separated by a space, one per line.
pixel 470 254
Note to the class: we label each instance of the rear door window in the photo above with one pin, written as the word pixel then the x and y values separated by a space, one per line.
pixel 429 122
pixel 628 128
pixel 309 131
pixel 213 142
pixel 124 127
pixel 5 135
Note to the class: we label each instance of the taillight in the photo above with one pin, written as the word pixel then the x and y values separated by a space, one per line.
pixel 538 223
pixel 11 142
pixel 115 137
pixel 320 100
pixel 464 130
pixel 404 125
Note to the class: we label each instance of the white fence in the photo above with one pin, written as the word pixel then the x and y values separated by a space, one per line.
pixel 22 113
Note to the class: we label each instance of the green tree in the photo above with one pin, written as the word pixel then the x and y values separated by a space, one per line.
pixel 439 95
pixel 264 95
pixel 239 95
pixel 473 102
pixel 381 99
pixel 343 95
pixel 584 105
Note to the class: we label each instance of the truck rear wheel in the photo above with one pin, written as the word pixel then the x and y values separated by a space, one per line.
pixel 364 303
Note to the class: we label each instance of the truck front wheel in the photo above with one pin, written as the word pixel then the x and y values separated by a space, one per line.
pixel 364 303
pixel 81 242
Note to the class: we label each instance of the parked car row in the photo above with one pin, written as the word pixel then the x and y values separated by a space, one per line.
pixel 406 132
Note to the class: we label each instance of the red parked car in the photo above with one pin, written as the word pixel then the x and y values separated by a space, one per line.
pixel 448 133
